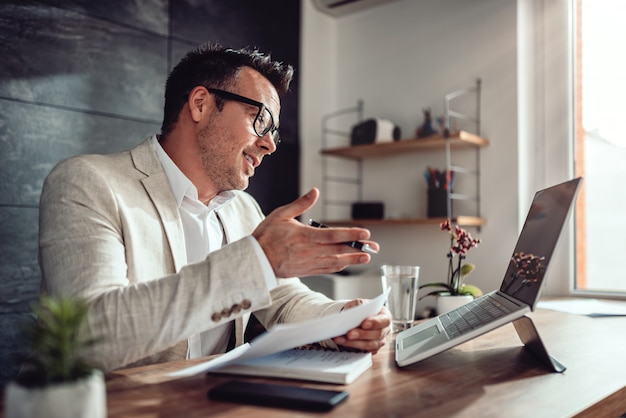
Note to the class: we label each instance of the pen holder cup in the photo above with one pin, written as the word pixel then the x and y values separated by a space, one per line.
pixel 437 203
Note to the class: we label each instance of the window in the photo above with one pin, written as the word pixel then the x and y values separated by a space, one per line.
pixel 600 145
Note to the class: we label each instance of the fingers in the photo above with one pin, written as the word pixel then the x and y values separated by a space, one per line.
pixel 321 259
pixel 372 333
pixel 334 235
pixel 298 206
pixel 362 340
pixel 381 320
pixel 295 249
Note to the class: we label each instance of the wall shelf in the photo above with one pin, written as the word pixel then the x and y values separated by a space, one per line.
pixel 459 220
pixel 462 139
pixel 450 139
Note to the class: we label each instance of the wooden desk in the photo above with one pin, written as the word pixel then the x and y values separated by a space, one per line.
pixel 490 376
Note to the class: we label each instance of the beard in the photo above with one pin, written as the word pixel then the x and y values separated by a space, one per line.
pixel 221 159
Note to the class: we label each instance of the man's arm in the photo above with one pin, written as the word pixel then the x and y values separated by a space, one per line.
pixel 106 243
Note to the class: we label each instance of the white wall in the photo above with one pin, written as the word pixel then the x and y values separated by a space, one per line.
pixel 400 58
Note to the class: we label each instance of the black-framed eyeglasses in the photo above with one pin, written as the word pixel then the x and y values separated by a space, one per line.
pixel 263 122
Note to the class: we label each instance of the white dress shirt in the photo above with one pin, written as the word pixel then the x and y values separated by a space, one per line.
pixel 204 233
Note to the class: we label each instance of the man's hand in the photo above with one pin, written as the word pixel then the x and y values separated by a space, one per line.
pixel 295 249
pixel 370 335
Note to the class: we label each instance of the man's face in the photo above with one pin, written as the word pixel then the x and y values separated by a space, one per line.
pixel 229 147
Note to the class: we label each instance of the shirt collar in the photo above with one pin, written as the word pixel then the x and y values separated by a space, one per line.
pixel 181 185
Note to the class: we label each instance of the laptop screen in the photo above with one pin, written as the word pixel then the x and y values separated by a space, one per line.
pixel 535 245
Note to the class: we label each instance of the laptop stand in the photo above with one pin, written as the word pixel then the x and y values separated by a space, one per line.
pixel 530 337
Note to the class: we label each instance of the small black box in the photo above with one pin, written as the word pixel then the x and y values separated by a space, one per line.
pixel 437 203
pixel 368 210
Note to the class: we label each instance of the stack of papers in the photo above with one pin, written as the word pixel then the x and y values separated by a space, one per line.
pixel 288 336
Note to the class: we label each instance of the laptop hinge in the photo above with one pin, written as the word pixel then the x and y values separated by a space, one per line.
pixel 511 299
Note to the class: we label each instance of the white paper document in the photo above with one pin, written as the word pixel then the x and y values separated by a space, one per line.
pixel 588 307
pixel 285 336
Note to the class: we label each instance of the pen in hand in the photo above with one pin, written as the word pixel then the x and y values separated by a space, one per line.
pixel 354 244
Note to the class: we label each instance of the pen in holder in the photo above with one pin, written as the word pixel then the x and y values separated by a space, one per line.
pixel 438 182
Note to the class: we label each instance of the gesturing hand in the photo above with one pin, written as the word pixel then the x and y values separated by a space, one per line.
pixel 295 249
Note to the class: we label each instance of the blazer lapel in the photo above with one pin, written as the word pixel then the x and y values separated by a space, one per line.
pixel 158 188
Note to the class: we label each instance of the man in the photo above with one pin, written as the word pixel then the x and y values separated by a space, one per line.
pixel 171 254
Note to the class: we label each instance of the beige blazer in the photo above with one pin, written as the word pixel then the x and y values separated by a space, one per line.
pixel 110 232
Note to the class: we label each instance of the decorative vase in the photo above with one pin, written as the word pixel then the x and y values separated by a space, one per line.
pixel 85 398
pixel 447 303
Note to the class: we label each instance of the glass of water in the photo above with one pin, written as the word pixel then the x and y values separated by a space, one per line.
pixel 402 298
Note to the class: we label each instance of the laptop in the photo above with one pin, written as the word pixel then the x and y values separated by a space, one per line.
pixel 518 293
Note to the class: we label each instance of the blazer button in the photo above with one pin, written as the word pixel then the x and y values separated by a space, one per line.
pixel 216 317
pixel 236 308
pixel 225 313
pixel 245 304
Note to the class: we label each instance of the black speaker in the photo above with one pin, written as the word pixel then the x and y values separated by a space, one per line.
pixel 374 130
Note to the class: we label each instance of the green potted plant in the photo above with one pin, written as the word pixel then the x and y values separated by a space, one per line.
pixel 454 291
pixel 55 379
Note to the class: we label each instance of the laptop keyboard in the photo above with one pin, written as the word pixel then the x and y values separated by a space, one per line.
pixel 472 315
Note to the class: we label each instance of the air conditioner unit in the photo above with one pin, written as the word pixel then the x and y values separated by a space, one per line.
pixel 344 7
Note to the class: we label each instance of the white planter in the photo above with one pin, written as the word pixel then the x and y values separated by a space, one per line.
pixel 85 398
pixel 447 303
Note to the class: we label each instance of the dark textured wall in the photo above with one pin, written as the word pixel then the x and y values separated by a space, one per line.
pixel 83 76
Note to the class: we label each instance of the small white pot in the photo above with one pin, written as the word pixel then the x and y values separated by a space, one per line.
pixel 85 398
pixel 447 303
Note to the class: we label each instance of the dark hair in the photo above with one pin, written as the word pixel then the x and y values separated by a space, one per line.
pixel 212 65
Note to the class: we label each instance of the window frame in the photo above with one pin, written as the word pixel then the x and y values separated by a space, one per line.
pixel 580 256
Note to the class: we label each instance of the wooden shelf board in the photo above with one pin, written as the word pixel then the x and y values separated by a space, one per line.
pixel 462 139
pixel 459 220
